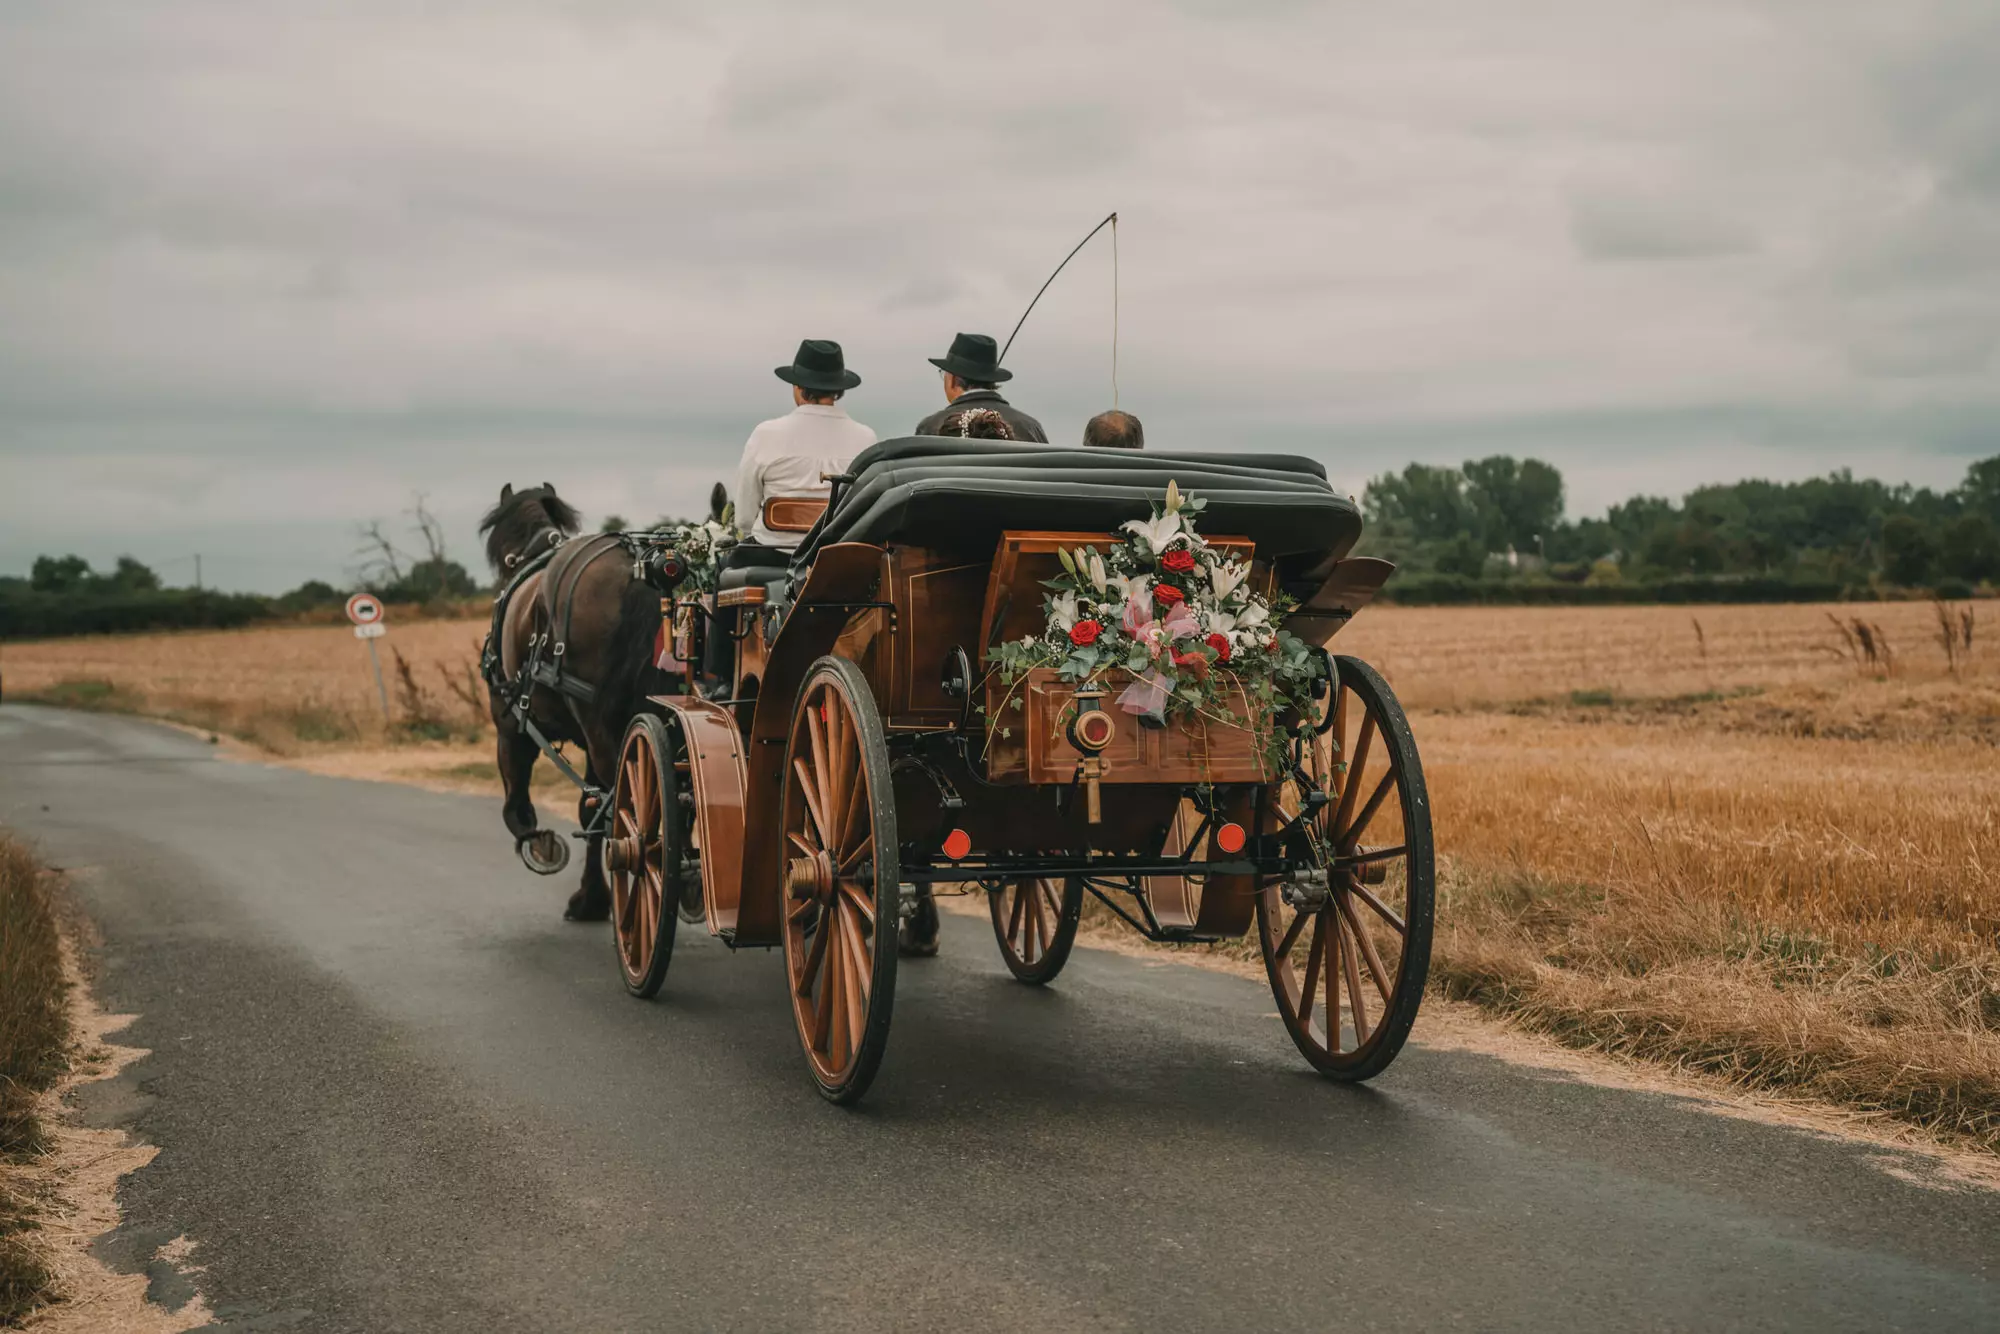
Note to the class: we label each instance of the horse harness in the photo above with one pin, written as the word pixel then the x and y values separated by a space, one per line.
pixel 543 664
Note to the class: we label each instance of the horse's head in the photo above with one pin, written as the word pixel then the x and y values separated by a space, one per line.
pixel 522 522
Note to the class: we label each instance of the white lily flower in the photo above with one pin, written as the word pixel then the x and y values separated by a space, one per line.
pixel 1097 575
pixel 1157 532
pixel 1062 610
pixel 1227 578
pixel 1257 613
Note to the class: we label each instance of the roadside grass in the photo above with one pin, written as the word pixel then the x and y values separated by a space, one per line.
pixel 34 1031
pixel 282 728
pixel 1909 1032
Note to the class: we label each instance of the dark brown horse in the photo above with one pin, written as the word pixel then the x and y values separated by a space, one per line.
pixel 594 622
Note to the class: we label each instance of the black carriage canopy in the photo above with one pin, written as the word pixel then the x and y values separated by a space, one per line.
pixel 962 494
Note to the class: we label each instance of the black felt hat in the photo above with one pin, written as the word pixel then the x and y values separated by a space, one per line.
pixel 973 357
pixel 819 366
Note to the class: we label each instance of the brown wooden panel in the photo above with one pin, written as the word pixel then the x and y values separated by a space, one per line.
pixel 715 762
pixel 742 597
pixel 844 572
pixel 793 514
pixel 937 607
pixel 1037 749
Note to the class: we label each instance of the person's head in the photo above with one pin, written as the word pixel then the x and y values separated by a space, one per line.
pixel 972 363
pixel 1115 430
pixel 957 385
pixel 977 424
pixel 818 374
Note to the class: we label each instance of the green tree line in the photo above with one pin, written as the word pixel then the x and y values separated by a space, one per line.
pixel 1501 520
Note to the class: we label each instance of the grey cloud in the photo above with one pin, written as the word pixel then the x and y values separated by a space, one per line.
pixel 302 260
pixel 1629 227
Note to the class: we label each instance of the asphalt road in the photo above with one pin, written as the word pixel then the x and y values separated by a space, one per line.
pixel 394 1092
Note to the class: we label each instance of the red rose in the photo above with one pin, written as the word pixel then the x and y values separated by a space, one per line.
pixel 1085 632
pixel 1220 643
pixel 1178 561
pixel 1195 663
pixel 1167 595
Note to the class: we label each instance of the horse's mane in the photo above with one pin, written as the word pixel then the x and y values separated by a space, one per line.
pixel 513 524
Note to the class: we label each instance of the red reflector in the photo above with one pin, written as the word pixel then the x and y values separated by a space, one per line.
pixel 957 843
pixel 1230 838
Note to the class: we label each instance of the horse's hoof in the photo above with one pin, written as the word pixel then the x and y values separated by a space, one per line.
pixel 585 906
pixel 917 935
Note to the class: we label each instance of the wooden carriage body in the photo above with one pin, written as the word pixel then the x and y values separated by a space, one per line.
pixel 931 552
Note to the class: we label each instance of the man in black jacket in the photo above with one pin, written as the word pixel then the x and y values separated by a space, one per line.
pixel 972 373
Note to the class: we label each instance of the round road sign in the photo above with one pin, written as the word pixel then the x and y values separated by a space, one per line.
pixel 364 609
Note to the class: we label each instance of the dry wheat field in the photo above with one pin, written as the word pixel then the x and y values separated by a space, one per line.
pixel 1756 841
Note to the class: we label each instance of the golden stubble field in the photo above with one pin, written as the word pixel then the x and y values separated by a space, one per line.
pixel 1726 838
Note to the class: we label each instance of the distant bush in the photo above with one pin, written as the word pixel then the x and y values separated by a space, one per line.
pixel 27 612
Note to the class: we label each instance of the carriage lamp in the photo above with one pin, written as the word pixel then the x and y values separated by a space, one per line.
pixel 1090 731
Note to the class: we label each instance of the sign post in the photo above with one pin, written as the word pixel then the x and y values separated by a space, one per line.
pixel 365 610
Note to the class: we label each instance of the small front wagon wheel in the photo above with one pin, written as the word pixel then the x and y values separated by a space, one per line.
pixel 842 878
pixel 642 855
pixel 1347 946
pixel 1035 923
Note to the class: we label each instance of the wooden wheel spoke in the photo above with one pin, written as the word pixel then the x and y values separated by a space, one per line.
pixel 1368 951
pixel 1311 983
pixel 842 774
pixel 859 899
pixel 821 767
pixel 815 956
pixel 1375 799
pixel 1014 919
pixel 1387 914
pixel 809 790
pixel 836 1037
pixel 853 861
pixel 1350 966
pixel 799 841
pixel 1356 764
pixel 855 791
pixel 823 1004
pixel 801 909
pixel 855 955
pixel 1292 933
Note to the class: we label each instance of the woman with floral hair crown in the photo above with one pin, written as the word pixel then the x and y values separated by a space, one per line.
pixel 978 424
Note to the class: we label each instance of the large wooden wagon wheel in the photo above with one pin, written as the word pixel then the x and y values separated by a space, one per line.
pixel 643 854
pixel 1035 923
pixel 1347 954
pixel 842 873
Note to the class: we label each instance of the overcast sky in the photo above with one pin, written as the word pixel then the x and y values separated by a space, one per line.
pixel 266 269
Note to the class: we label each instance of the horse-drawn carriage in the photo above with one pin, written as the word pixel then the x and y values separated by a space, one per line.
pixel 985 667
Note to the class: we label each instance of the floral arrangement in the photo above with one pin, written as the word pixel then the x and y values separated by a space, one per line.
pixel 1176 615
pixel 703 548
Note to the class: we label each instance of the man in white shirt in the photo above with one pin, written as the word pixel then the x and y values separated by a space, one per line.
pixel 788 455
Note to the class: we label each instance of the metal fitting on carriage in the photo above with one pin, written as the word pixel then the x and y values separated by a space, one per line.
pixel 1307 889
